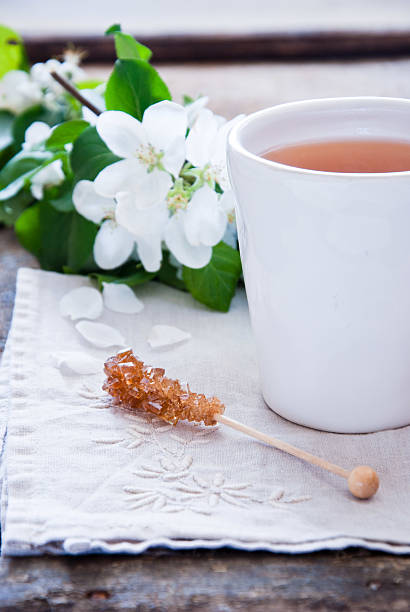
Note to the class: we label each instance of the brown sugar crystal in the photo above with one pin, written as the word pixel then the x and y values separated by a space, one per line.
pixel 140 387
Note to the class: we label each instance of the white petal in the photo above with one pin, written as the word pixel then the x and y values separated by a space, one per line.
pixel 204 220
pixel 41 74
pixel 174 156
pixel 113 246
pixel 152 189
pixel 90 204
pixel 138 221
pixel 14 79
pixel 195 108
pixel 52 174
pixel 150 252
pixel 95 97
pixel 164 123
pixel 123 175
pixel 72 72
pixel 81 303
pixel 188 255
pixel 36 190
pixel 18 91
pixel 200 138
pixel 227 201
pixel 166 335
pixel 88 115
pixel 36 133
pixel 121 298
pixel 99 334
pixel 77 362
pixel 219 145
pixel 121 133
pixel 147 225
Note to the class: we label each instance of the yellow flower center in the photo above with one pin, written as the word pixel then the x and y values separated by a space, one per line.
pixel 148 156
pixel 177 201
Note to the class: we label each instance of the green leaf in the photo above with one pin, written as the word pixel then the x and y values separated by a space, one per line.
pixel 133 86
pixel 61 196
pixel 28 229
pixel 139 277
pixel 89 84
pixel 18 169
pixel 36 113
pixel 127 47
pixel 90 155
pixel 168 274
pixel 5 155
pixel 116 27
pixel 54 228
pixel 80 242
pixel 66 239
pixel 12 53
pixel 21 163
pixel 215 284
pixel 58 239
pixel 66 133
pixel 12 208
pixel 6 129
pixel 187 100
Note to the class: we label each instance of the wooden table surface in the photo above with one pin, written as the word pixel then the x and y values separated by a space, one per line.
pixel 223 580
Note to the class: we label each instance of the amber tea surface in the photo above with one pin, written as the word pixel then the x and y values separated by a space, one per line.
pixel 345 156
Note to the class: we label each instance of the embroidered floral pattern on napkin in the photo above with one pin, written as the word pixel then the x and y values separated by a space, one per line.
pixel 82 475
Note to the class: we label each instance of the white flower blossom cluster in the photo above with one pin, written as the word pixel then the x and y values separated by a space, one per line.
pixel 169 190
pixel 20 90
pixel 52 174
pixel 170 187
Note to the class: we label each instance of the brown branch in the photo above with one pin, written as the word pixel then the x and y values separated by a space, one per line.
pixel 75 93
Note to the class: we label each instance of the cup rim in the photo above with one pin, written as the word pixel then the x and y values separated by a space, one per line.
pixel 234 138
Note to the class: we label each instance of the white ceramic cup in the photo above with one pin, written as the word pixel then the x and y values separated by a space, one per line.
pixel 326 259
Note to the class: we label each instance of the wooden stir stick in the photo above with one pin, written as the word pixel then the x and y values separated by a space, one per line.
pixel 362 480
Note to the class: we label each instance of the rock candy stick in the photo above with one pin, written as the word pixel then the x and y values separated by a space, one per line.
pixel 143 388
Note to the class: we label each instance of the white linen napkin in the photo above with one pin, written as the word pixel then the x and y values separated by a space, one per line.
pixel 82 476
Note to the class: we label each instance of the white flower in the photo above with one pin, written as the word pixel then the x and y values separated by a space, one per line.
pixel 52 91
pixel 35 135
pixel 41 73
pixel 206 146
pixel 71 71
pixel 95 96
pixel 192 232
pixel 18 91
pixel 158 142
pixel 194 108
pixel 204 219
pixel 146 224
pixel 50 175
pixel 113 244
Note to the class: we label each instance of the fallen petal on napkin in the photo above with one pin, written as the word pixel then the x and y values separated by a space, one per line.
pixel 82 476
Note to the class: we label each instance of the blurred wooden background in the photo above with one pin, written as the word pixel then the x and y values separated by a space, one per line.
pixel 250 86
pixel 217 29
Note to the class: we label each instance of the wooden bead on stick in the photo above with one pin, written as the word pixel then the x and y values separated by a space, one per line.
pixel 363 482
